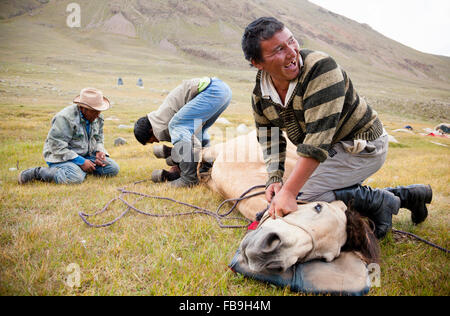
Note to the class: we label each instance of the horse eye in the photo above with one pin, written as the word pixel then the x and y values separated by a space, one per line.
pixel 318 208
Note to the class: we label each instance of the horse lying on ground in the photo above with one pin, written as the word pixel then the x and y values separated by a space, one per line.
pixel 288 251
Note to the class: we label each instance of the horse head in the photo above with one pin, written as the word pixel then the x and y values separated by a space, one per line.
pixel 315 231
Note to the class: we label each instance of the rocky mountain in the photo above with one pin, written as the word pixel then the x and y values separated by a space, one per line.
pixel 211 30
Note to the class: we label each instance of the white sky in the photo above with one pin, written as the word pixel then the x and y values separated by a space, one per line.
pixel 420 24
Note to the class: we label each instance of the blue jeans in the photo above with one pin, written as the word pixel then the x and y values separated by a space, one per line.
pixel 70 173
pixel 199 114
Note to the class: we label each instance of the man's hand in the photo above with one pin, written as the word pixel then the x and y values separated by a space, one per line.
pixel 272 190
pixel 100 159
pixel 88 166
pixel 283 203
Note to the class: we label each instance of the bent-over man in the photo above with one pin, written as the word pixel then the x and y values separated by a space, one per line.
pixel 184 119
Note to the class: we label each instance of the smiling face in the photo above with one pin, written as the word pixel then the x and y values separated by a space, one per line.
pixel 280 58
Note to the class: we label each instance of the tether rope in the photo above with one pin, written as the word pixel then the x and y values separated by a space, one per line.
pixel 197 210
pixel 200 211
pixel 420 239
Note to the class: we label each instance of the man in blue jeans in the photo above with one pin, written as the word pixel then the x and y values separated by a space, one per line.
pixel 74 145
pixel 184 119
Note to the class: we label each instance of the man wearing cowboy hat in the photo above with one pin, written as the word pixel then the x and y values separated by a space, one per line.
pixel 74 145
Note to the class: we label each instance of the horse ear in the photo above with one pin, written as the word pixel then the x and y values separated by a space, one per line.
pixel 340 205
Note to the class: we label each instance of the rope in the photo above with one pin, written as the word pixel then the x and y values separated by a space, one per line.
pixel 197 210
pixel 420 239
pixel 202 211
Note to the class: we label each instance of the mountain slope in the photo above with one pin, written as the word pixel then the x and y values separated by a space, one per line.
pixel 177 38
pixel 212 29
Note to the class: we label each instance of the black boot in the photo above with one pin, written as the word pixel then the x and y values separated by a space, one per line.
pixel 162 151
pixel 162 175
pixel 37 174
pixel 415 198
pixel 205 166
pixel 188 176
pixel 376 204
pixel 187 157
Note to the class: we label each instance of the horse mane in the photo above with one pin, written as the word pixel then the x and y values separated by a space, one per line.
pixel 360 237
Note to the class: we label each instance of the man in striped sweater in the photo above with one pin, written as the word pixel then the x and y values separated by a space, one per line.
pixel 340 139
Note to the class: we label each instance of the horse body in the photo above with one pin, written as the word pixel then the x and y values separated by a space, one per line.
pixel 239 166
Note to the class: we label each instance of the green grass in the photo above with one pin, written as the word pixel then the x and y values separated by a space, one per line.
pixel 41 233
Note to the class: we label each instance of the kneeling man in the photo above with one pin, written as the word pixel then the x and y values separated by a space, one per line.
pixel 74 145
pixel 184 119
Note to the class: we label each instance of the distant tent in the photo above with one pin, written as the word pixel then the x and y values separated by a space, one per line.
pixel 120 82
pixel 140 83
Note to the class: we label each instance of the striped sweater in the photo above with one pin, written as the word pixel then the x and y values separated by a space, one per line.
pixel 323 110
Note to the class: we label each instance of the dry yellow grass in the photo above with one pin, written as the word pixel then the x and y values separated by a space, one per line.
pixel 41 233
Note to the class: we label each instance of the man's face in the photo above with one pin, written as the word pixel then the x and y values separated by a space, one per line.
pixel 90 114
pixel 280 58
pixel 152 139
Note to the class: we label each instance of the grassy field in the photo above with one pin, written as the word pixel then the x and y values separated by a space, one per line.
pixel 41 234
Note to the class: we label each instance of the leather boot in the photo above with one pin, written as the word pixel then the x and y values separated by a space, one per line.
pixel 415 198
pixel 162 151
pixel 37 174
pixel 187 157
pixel 205 166
pixel 162 175
pixel 376 204
pixel 188 176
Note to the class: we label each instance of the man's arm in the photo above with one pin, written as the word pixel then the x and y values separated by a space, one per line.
pixel 285 200
pixel 99 138
pixel 323 103
pixel 273 144
pixel 57 142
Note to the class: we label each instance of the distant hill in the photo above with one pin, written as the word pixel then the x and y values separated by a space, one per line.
pixel 211 29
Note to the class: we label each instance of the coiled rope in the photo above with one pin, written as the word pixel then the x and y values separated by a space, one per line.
pixel 219 217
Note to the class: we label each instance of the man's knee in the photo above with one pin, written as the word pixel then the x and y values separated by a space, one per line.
pixel 113 168
pixel 70 174
pixel 110 170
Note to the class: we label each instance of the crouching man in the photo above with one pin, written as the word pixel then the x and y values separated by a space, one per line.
pixel 184 119
pixel 74 145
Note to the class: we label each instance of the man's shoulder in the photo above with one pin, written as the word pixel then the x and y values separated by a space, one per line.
pixel 257 89
pixel 68 111
pixel 311 57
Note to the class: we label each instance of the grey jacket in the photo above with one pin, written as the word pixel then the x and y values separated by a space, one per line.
pixel 68 139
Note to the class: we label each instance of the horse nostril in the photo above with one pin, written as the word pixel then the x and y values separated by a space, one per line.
pixel 270 243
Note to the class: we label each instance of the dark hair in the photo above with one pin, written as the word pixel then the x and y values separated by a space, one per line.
pixel 259 30
pixel 360 237
pixel 143 130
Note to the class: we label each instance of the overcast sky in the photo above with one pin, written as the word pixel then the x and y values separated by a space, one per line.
pixel 420 24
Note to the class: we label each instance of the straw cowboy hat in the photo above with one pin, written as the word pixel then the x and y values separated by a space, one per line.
pixel 93 99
